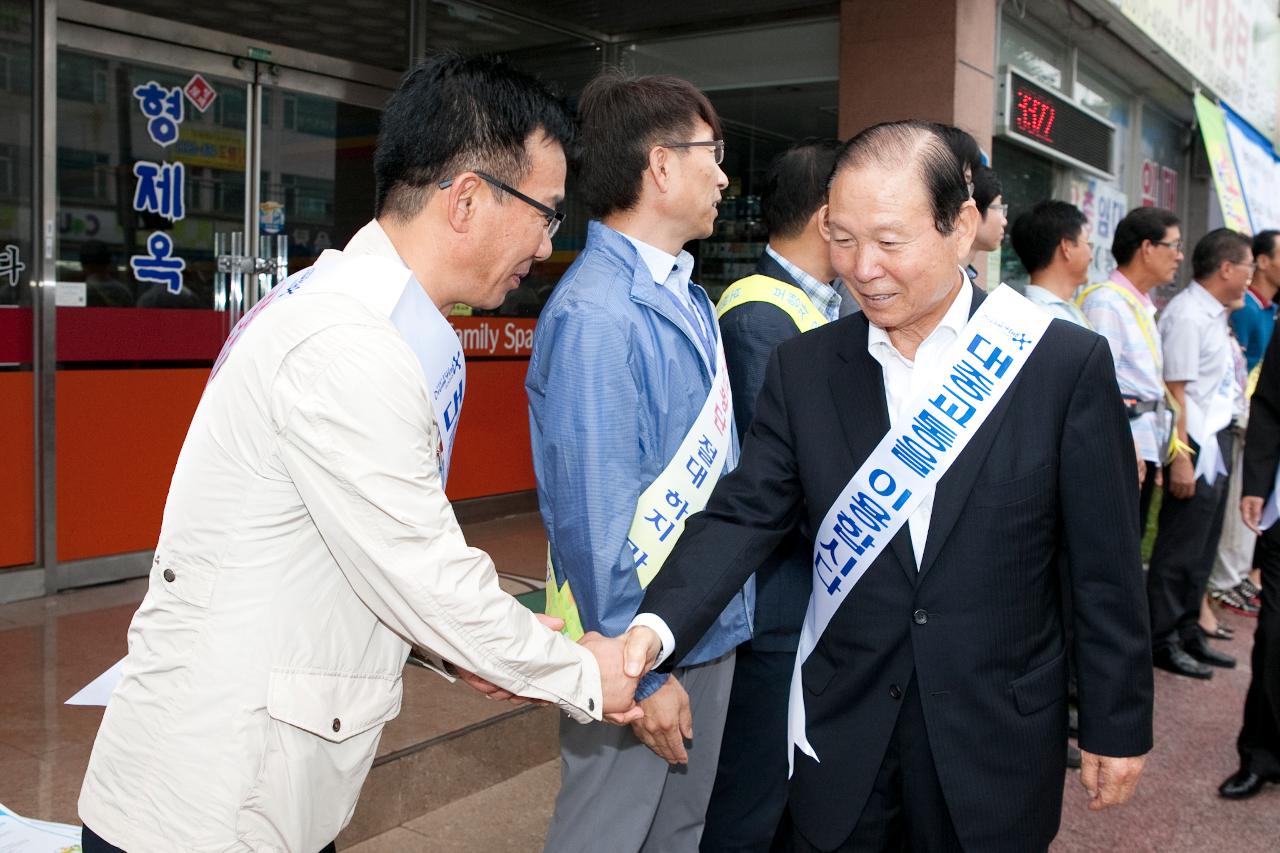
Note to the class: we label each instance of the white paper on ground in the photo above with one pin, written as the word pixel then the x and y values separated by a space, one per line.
pixel 24 835
pixel 98 691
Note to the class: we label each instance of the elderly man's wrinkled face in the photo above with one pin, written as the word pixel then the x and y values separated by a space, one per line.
pixel 885 246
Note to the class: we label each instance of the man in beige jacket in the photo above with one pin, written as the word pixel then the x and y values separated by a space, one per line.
pixel 307 541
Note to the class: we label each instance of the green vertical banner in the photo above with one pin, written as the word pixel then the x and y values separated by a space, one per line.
pixel 1226 180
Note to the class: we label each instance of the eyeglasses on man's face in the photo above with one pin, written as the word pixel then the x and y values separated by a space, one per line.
pixel 550 214
pixel 718 143
pixel 1176 245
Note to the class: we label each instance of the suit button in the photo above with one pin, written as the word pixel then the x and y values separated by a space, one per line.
pixel 337 724
pixel 920 617
pixel 895 692
pixel 591 704
pixel 169 576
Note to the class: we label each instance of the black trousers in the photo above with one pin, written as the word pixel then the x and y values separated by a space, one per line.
pixel 750 791
pixel 906 810
pixel 1182 558
pixel 1259 741
pixel 91 843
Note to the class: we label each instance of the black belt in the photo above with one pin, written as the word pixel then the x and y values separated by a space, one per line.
pixel 1137 408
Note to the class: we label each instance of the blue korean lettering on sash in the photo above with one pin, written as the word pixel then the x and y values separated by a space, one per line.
pixel 161 189
pixel 163 108
pixel 159 265
pixel 908 462
pixel 638 555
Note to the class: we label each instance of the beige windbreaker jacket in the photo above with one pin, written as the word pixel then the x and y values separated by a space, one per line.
pixel 306 543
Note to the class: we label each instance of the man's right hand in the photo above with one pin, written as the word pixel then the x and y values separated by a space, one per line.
pixel 618 688
pixel 1182 477
pixel 1251 513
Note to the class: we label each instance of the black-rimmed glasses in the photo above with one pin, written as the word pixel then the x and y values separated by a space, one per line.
pixel 718 143
pixel 553 216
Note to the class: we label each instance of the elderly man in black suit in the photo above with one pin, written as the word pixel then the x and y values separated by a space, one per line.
pixel 936 696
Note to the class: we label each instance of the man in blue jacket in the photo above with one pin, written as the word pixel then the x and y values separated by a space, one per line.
pixel 792 291
pixel 631 422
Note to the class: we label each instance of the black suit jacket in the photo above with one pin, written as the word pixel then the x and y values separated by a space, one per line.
pixel 979 624
pixel 750 333
pixel 1262 441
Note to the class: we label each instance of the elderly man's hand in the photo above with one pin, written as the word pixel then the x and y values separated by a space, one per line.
pixel 1109 781
pixel 1182 477
pixel 1251 513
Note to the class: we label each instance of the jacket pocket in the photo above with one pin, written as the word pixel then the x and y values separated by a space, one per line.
pixel 321 734
pixel 1042 686
pixel 333 706
pixel 817 672
pixel 191 582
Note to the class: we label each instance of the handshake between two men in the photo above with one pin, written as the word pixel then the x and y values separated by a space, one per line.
pixel 662 720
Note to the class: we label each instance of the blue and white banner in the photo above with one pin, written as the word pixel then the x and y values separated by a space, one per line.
pixel 907 464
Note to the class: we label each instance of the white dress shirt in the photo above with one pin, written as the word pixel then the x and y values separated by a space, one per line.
pixel 661 265
pixel 904 380
pixel 1198 346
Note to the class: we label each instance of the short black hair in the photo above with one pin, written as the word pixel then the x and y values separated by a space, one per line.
pixel 894 143
pixel 452 114
pixel 795 185
pixel 1216 248
pixel 986 187
pixel 963 146
pixel 621 119
pixel 1139 225
pixel 1264 242
pixel 1037 233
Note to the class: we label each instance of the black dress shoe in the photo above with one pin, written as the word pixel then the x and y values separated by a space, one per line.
pixel 1178 662
pixel 1200 650
pixel 1243 784
pixel 1222 632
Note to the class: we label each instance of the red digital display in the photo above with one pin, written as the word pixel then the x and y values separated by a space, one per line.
pixel 1053 124
pixel 1034 116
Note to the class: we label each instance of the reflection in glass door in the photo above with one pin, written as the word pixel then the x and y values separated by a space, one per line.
pixel 163 151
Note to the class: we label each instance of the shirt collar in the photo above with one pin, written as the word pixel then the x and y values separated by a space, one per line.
pixel 1123 280
pixel 372 240
pixel 1043 295
pixel 661 264
pixel 1263 302
pixel 1210 306
pixel 824 297
pixel 952 323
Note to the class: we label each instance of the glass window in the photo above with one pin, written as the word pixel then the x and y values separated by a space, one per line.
pixel 1162 159
pixel 16 157
pixel 1040 58
pixel 1095 92
pixel 1026 178
pixel 140 193
pixel 371 32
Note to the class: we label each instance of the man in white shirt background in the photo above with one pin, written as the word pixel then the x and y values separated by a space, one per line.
pixel 1204 371
pixel 307 540
pixel 1052 241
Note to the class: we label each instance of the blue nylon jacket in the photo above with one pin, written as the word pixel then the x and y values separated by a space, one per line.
pixel 614 383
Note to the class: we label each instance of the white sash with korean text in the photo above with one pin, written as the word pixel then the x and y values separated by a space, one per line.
pixel 685 484
pixel 390 289
pixel 907 464
pixel 1203 425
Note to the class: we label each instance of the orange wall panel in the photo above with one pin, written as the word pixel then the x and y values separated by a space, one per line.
pixel 119 433
pixel 17 470
pixel 118 437
pixel 492 454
